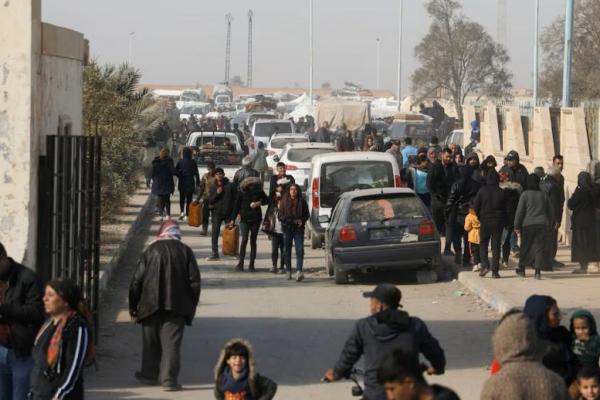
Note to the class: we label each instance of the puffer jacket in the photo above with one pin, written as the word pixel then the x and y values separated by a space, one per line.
pixel 222 203
pixel 163 171
pixel 187 172
pixel 167 278
pixel 243 173
pixel 261 387
pixel 250 192
pixel 490 203
pixel 462 193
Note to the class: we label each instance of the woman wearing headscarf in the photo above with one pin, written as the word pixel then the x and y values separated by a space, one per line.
pixel 293 214
pixel 163 171
pixel 62 344
pixel 272 225
pixel 556 340
pixel 583 223
pixel 189 180
pixel 532 221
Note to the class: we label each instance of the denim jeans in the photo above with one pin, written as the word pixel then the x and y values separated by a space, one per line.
pixel 14 375
pixel 296 239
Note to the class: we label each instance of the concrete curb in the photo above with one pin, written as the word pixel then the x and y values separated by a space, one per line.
pixel 485 291
pixel 107 272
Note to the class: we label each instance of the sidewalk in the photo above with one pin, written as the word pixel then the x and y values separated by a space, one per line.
pixel 571 291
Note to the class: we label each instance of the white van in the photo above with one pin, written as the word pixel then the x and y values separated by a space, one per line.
pixel 332 174
pixel 262 130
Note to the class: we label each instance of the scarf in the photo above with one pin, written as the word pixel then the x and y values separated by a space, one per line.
pixel 169 230
pixel 236 389
pixel 55 346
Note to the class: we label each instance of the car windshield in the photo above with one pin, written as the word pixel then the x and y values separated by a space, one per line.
pixel 340 177
pixel 268 128
pixel 280 143
pixel 305 155
pixel 372 209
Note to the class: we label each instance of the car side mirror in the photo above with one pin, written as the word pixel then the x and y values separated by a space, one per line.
pixel 276 158
pixel 324 219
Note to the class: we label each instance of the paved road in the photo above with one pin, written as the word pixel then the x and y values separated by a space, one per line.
pixel 297 328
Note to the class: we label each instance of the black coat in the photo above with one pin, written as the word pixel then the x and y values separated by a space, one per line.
pixel 374 337
pixel 167 278
pixel 163 171
pixel 273 182
pixel 462 193
pixel 222 203
pixel 518 174
pixel 23 308
pixel 440 180
pixel 490 203
pixel 243 173
pixel 187 172
pixel 583 205
pixel 247 195
pixel 512 192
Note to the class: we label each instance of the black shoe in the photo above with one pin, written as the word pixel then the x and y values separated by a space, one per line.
pixel 274 270
pixel 484 272
pixel 520 272
pixel 251 268
pixel 448 252
pixel 203 233
pixel 212 258
pixel 538 275
pixel 495 275
pixel 146 381
pixel 557 264
pixel 240 266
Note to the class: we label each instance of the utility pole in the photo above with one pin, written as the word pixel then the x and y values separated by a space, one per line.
pixel 399 92
pixel 501 23
pixel 536 44
pixel 566 100
pixel 249 76
pixel 229 19
pixel 378 62
pixel 311 46
pixel 130 59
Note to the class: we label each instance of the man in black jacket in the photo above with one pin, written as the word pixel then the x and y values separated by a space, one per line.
pixel 21 315
pixel 245 172
pixel 163 296
pixel 385 330
pixel 280 175
pixel 439 181
pixel 221 196
pixel 550 185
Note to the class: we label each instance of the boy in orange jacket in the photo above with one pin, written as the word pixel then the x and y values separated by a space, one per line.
pixel 473 227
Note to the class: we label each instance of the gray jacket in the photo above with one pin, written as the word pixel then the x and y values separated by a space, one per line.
pixel 533 209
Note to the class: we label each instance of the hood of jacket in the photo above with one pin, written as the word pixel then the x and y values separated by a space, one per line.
pixel 515 340
pixel 533 182
pixel 222 362
pixel 591 321
pixel 251 184
pixel 492 179
pixel 511 186
pixel 159 160
pixel 584 180
pixel 387 324
pixel 536 308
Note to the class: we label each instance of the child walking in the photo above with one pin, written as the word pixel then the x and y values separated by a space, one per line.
pixel 586 342
pixel 473 227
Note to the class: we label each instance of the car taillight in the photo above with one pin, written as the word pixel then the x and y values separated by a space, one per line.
pixel 426 229
pixel 347 234
pixel 290 167
pixel 397 180
pixel 315 193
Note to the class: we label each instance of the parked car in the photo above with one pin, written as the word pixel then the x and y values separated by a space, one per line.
pixel 456 136
pixel 333 174
pixel 262 130
pixel 210 146
pixel 417 126
pixel 298 157
pixel 197 110
pixel 251 118
pixel 278 142
pixel 381 229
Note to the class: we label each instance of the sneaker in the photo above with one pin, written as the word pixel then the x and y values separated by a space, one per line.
pixel 484 271
pixel 282 271
pixel 172 387
pixel 146 381
pixel 537 276
pixel 495 275
pixel 182 217
pixel 504 265
pixel 274 270
pixel 580 271
pixel 476 268
pixel 299 276
pixel 212 258
pixel 520 272
pixel 289 275
pixel 558 264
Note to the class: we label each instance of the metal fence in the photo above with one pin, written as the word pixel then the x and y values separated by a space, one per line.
pixel 69 213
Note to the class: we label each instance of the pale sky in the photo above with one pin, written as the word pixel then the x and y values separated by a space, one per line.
pixel 183 41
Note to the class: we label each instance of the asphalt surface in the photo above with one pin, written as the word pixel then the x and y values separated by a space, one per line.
pixel 297 329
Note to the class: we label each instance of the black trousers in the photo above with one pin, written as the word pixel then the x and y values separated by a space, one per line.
pixel 162 334
pixel 437 212
pixel 490 233
pixel 164 205
pixel 553 245
pixel 277 249
pixel 185 198
pixel 534 247
pixel 217 221
pixel 251 231
pixel 206 211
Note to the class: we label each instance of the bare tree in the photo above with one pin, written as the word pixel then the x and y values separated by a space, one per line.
pixel 585 80
pixel 459 57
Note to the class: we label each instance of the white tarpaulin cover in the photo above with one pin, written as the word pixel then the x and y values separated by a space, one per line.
pixel 336 111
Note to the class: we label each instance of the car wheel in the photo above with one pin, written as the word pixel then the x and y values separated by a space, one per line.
pixel 341 277
pixel 427 276
pixel 315 241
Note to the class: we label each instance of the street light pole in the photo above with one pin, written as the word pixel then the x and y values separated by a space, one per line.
pixel 566 100
pixel 130 48
pixel 378 62
pixel 311 39
pixel 399 91
pixel 536 45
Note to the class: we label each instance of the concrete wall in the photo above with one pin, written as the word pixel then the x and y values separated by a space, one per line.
pixel 40 94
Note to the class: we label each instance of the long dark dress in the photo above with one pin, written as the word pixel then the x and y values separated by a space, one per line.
pixel 583 224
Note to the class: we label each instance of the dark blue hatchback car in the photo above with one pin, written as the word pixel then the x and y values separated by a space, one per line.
pixel 381 229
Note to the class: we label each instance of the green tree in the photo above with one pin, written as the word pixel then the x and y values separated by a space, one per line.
pixel 459 57
pixel 585 80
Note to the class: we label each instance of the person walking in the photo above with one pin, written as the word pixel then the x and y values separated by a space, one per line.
pixel 163 171
pixel 281 174
pixel 490 207
pixel 512 193
pixel 442 175
pixel 163 296
pixel 324 134
pixel 293 213
pixel 417 179
pixel 394 150
pixel 148 155
pixel 259 161
pixel 246 171
pixel 583 204
pixel 532 222
pixel 273 228
pixel 21 315
pixel 62 344
pixel 189 180
pixel 221 196
pixel 386 329
pixel 407 151
pixel 346 141
pixel 556 195
pixel 205 183
pixel 248 206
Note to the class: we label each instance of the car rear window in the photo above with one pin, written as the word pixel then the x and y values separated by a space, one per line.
pixel 215 141
pixel 344 176
pixel 373 209
pixel 267 129
pixel 280 143
pixel 305 155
